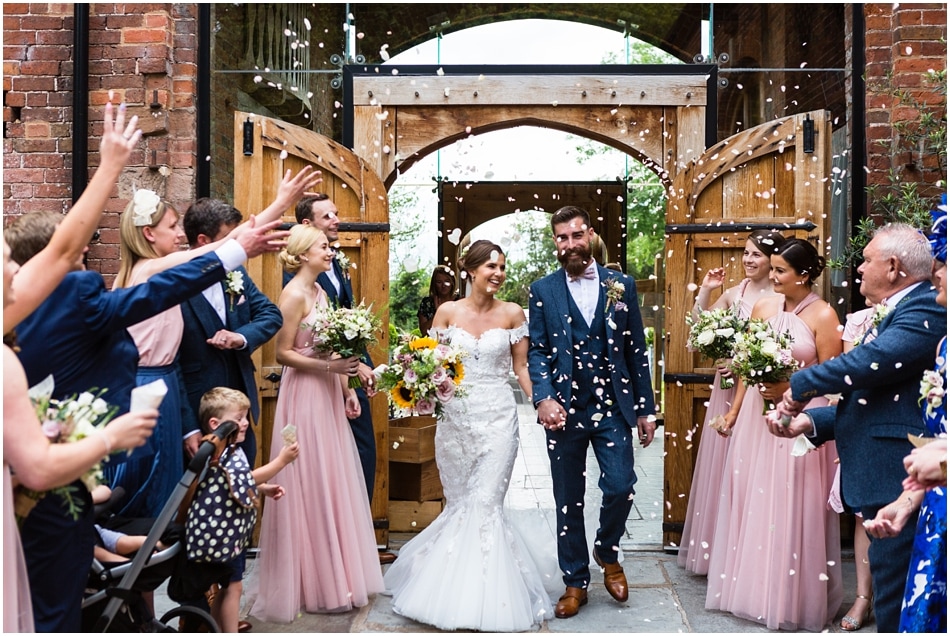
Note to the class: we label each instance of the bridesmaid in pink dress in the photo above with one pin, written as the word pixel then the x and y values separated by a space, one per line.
pixel 711 457
pixel 776 556
pixel 317 545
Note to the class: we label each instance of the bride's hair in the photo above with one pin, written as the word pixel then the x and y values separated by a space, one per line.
pixel 478 253
pixel 301 238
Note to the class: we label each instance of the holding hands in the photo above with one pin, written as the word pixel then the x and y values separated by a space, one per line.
pixel 552 415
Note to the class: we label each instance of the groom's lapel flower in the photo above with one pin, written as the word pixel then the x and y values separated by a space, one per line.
pixel 234 285
pixel 615 291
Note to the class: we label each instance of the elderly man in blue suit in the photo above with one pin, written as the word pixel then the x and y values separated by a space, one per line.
pixel 590 379
pixel 879 383
pixel 225 323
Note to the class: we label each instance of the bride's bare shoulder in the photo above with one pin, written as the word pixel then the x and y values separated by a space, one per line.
pixel 514 314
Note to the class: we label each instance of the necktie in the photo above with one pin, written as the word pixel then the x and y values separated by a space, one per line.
pixel 589 274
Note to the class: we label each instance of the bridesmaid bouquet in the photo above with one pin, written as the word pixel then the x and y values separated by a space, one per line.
pixel 762 355
pixel 713 335
pixel 345 331
pixel 423 376
pixel 63 422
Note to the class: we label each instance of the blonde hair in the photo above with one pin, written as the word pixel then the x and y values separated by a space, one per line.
pixel 218 401
pixel 302 237
pixel 133 245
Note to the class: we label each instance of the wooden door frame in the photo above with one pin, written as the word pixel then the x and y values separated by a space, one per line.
pixel 662 115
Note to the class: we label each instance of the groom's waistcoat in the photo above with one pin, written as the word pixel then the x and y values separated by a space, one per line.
pixel 589 371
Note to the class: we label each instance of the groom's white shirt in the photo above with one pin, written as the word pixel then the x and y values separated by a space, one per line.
pixel 585 292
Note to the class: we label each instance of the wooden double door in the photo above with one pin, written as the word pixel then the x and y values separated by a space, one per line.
pixel 762 177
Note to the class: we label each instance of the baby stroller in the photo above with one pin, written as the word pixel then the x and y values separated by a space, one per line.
pixel 114 601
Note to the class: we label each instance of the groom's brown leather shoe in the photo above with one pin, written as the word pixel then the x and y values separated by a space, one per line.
pixel 570 602
pixel 614 579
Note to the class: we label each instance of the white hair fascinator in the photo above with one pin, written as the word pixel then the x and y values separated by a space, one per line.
pixel 144 205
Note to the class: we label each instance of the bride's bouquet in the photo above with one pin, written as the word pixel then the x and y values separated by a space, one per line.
pixel 345 331
pixel 713 334
pixel 423 376
pixel 763 355
pixel 64 422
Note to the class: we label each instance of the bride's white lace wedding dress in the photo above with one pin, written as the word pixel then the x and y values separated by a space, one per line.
pixel 470 569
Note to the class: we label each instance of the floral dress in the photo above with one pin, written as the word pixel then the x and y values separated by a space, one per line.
pixel 925 597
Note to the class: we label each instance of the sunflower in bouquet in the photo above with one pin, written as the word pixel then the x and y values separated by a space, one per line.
pixel 763 355
pixel 423 376
pixel 713 334
pixel 346 331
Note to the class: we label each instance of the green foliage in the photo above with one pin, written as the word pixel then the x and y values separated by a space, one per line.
pixel 899 199
pixel 406 290
pixel 646 222
pixel 534 260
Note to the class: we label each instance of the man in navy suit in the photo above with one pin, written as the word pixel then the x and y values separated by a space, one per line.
pixel 226 322
pixel 879 383
pixel 590 379
pixel 78 334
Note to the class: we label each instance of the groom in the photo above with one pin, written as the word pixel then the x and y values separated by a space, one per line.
pixel 591 387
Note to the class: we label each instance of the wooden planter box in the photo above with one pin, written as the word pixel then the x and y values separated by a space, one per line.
pixel 414 482
pixel 412 516
pixel 412 439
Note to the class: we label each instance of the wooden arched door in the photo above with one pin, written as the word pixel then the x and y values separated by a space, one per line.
pixel 763 177
pixel 261 156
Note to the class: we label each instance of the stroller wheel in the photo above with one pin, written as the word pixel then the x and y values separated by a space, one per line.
pixel 190 620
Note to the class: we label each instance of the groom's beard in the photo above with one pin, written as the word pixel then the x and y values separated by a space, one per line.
pixel 575 260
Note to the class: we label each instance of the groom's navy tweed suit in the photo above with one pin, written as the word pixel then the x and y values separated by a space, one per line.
pixel 879 382
pixel 601 375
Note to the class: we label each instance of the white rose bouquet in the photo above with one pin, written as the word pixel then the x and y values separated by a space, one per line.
pixel 345 331
pixel 763 355
pixel 423 376
pixel 713 334
pixel 63 422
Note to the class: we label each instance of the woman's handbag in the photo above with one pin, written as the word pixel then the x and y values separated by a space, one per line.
pixel 221 516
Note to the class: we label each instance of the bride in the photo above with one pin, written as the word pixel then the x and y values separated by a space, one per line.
pixel 470 568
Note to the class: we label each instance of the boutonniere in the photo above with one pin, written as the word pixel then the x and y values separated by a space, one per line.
pixel 932 390
pixel 344 262
pixel 234 284
pixel 615 291
pixel 877 317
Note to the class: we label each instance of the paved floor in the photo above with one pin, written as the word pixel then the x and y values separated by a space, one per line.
pixel 663 597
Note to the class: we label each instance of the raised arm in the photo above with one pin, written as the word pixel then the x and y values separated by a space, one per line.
pixel 290 189
pixel 39 276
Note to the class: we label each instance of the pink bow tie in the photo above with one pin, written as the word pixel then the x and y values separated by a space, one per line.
pixel 589 274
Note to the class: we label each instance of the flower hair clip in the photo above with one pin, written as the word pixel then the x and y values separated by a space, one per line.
pixel 144 205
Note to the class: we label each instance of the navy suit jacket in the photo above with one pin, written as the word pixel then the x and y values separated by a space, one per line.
pixel 550 355
pixel 879 383
pixel 79 333
pixel 204 367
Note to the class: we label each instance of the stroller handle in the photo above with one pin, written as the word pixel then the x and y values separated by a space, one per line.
pixel 225 434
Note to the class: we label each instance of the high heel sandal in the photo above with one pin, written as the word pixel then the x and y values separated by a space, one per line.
pixel 850 623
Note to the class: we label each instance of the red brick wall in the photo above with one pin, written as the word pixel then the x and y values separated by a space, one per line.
pixel 903 42
pixel 142 54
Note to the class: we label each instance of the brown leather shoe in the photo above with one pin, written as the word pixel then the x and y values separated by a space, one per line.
pixel 244 627
pixel 614 579
pixel 570 602
pixel 385 558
